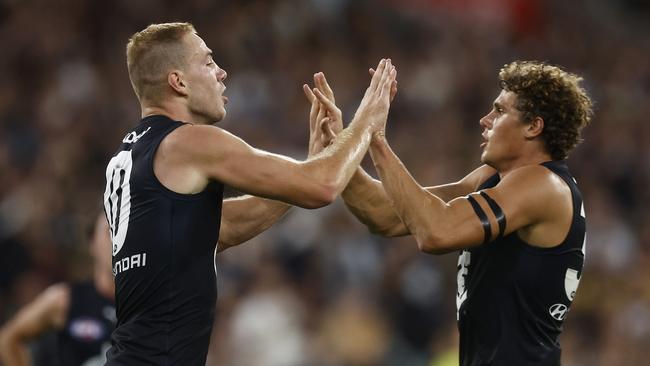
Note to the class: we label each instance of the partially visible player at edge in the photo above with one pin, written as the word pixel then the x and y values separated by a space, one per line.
pixel 79 316
pixel 164 193
pixel 518 220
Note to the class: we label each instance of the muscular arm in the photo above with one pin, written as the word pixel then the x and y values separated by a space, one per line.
pixel 529 196
pixel 192 155
pixel 216 154
pixel 47 311
pixel 245 217
pixel 366 198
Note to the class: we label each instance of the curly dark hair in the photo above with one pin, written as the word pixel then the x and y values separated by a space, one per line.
pixel 553 94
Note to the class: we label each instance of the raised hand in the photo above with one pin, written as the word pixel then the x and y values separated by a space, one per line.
pixel 333 116
pixel 393 87
pixel 325 118
pixel 376 102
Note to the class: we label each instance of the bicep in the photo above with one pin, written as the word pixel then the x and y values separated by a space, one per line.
pixel 515 198
pixel 224 157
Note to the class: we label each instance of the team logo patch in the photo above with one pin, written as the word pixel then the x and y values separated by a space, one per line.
pixel 86 329
pixel 558 311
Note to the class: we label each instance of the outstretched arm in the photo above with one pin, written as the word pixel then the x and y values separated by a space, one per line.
pixel 46 312
pixel 529 197
pixel 366 198
pixel 245 217
pixel 195 154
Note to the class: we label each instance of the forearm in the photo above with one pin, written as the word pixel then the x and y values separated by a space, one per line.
pixel 13 352
pixel 366 199
pixel 418 209
pixel 337 163
pixel 245 217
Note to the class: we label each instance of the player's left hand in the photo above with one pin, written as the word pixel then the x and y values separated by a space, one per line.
pixel 393 86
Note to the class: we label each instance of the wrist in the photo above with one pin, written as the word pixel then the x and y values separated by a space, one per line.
pixel 378 139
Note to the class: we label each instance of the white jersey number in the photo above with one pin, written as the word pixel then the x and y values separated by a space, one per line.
pixel 464 260
pixel 117 197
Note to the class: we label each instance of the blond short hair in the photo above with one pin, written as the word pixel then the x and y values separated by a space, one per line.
pixel 152 53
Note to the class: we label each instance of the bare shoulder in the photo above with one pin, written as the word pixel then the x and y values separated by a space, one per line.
pixel 539 193
pixel 195 137
pixel 192 145
pixel 537 178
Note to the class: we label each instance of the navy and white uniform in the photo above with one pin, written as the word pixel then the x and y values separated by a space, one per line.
pixel 85 337
pixel 513 298
pixel 163 256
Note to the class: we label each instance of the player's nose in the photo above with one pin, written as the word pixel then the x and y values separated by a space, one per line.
pixel 222 75
pixel 484 121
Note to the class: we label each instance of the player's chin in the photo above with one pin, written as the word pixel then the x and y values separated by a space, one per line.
pixel 484 157
pixel 220 114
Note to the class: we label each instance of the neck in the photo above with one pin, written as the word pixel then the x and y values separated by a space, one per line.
pixel 173 112
pixel 529 159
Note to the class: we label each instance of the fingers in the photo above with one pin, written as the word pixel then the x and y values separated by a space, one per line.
pixel 327 103
pixel 376 77
pixel 327 134
pixel 308 93
pixel 328 131
pixel 393 88
pixel 387 82
pixel 321 83
pixel 314 112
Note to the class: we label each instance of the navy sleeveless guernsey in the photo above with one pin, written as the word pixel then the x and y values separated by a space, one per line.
pixel 512 297
pixel 163 256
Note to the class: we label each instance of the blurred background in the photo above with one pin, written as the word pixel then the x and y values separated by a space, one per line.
pixel 318 288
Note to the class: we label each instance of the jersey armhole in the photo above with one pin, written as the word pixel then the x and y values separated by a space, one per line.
pixel 150 162
pixel 562 246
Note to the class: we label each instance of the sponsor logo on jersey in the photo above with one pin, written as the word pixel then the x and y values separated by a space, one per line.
pixel 558 311
pixel 132 137
pixel 86 329
pixel 127 263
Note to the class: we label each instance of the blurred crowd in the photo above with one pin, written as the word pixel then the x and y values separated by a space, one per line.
pixel 318 288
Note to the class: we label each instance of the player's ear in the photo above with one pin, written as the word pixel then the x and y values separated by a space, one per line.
pixel 176 80
pixel 534 128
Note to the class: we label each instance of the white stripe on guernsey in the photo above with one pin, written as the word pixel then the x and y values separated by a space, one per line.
pixel 214 260
pixel 584 242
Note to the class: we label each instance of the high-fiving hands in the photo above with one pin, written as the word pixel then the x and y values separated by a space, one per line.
pixel 326 118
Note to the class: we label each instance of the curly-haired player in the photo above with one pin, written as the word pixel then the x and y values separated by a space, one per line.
pixel 518 220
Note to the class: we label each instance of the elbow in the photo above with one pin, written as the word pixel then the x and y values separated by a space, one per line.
pixel 431 244
pixel 321 196
pixel 387 232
